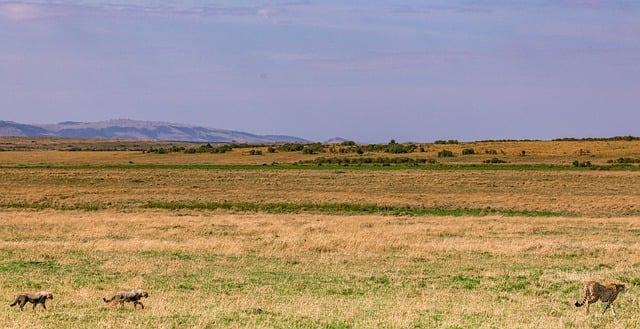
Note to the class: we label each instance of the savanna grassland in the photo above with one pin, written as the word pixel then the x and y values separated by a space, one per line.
pixel 259 237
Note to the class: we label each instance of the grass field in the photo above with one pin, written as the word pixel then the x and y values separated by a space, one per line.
pixel 220 241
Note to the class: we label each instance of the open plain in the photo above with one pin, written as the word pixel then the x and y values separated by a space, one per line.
pixel 272 239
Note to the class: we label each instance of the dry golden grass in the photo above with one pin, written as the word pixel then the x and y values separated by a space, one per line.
pixel 260 270
pixel 82 231
pixel 588 193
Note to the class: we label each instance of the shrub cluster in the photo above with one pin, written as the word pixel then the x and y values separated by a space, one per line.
pixel 162 150
pixel 593 139
pixel 494 160
pixel 445 154
pixel 392 147
pixel 400 148
pixel 372 161
pixel 451 141
pixel 291 147
pixel 210 149
pixel 577 163
pixel 624 160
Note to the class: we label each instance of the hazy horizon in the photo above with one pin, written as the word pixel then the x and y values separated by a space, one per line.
pixel 406 70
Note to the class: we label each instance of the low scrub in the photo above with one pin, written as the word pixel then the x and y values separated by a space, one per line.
pixel 445 154
pixel 494 160
pixel 624 160
pixel 371 161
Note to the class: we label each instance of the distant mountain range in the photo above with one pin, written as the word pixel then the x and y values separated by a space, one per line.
pixel 143 130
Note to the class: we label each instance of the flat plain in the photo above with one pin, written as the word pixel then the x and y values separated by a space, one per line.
pixel 239 240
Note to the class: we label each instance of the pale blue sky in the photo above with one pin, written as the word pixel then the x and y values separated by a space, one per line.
pixel 368 71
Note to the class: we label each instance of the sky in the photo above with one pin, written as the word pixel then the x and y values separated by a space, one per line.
pixel 365 70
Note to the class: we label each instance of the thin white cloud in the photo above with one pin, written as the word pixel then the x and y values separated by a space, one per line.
pixel 25 11
pixel 37 9
pixel 191 9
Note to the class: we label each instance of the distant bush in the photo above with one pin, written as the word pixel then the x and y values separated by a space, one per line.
pixel 314 148
pixel 255 152
pixel 218 149
pixel 291 147
pixel 209 149
pixel 451 141
pixel 392 147
pixel 591 139
pixel 384 161
pixel 468 152
pixel 624 160
pixel 490 152
pixel 577 163
pixel 445 154
pixel 395 148
pixel 162 150
pixel 494 160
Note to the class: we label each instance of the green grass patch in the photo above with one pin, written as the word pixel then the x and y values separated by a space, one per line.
pixel 49 266
pixel 465 281
pixel 290 208
pixel 42 205
pixel 343 209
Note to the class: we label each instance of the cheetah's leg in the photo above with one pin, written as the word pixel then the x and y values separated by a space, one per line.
pixel 587 307
pixel 613 310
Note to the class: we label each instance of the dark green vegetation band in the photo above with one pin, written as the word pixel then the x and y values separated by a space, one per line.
pixel 345 209
pixel 290 208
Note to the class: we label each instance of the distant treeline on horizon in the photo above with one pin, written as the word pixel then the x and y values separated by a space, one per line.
pixel 569 139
